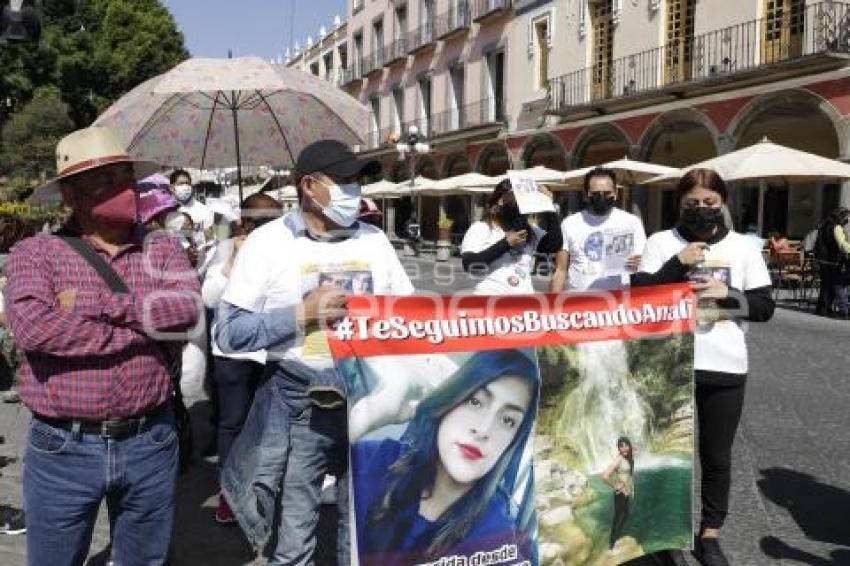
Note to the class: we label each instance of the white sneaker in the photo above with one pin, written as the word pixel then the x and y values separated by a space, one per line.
pixel 15 524
pixel 329 491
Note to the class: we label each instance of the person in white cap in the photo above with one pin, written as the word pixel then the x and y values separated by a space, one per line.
pixel 90 306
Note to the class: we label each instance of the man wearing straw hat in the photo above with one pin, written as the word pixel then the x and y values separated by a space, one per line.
pixel 91 307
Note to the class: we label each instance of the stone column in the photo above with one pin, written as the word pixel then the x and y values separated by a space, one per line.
pixel 389 218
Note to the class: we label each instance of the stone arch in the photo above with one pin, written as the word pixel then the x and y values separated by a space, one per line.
pixel 686 121
pixel 803 120
pixel 493 160
pixel 544 149
pixel 800 103
pixel 426 167
pixel 400 171
pixel 613 142
pixel 456 164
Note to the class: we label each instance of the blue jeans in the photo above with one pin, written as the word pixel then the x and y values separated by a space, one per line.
pixel 317 446
pixel 273 476
pixel 66 477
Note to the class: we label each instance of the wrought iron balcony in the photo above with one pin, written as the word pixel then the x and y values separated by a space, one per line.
pixel 352 74
pixel 422 38
pixel 373 62
pixel 396 51
pixel 483 10
pixel 453 21
pixel 482 113
pixel 804 41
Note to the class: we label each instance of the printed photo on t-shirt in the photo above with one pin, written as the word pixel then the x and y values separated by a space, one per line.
pixel 354 277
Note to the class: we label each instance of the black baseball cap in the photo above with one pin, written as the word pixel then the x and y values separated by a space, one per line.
pixel 332 157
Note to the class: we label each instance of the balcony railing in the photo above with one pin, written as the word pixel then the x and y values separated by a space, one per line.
pixel 422 38
pixel 373 62
pixel 482 113
pixel 396 51
pixel 743 51
pixel 485 9
pixel 352 74
pixel 479 113
pixel 454 20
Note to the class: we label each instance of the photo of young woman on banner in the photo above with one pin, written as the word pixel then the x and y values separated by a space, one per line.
pixel 440 457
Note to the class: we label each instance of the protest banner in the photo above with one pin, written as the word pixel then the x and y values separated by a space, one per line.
pixel 545 429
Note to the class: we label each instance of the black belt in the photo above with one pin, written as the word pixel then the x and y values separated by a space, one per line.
pixel 115 429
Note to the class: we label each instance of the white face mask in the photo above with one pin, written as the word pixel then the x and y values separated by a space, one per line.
pixel 344 207
pixel 183 192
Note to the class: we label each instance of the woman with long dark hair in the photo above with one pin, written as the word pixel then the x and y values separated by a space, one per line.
pixel 619 475
pixel 732 284
pixel 501 247
pixel 832 251
pixel 450 484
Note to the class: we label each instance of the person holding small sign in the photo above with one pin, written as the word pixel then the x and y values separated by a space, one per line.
pixel 602 243
pixel 501 247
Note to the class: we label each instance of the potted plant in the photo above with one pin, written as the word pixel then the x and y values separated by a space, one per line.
pixel 444 237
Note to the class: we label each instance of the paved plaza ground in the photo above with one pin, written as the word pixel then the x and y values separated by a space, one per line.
pixel 791 483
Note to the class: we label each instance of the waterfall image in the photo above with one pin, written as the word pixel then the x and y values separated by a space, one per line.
pixel 605 405
pixel 613 450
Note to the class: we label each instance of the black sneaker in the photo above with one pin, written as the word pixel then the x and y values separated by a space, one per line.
pixel 15 524
pixel 707 551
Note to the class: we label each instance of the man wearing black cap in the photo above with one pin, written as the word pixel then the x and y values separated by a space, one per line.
pixel 291 278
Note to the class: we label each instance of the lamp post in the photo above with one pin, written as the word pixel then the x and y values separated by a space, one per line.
pixel 411 149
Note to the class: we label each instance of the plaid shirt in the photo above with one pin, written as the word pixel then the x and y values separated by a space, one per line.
pixel 98 362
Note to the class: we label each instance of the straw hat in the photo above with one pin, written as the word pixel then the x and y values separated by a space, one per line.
pixel 85 150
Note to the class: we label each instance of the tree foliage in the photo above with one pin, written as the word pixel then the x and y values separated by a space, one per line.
pixel 91 52
pixel 30 135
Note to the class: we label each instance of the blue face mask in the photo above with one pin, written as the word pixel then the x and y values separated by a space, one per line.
pixel 344 207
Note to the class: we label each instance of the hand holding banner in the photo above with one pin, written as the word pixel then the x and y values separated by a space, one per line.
pixel 444 396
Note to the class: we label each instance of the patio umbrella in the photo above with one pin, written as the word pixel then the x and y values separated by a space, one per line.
pixel 381 189
pixel 538 173
pixel 406 189
pixel 766 161
pixel 465 184
pixel 627 171
pixel 211 113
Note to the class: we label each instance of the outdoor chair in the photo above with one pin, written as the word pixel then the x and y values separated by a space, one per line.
pixel 789 273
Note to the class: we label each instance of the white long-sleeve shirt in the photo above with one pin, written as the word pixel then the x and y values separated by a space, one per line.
pixel 215 282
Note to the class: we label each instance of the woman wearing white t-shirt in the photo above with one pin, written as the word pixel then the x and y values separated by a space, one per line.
pixel 501 247
pixel 732 284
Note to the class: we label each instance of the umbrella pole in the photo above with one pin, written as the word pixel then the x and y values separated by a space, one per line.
pixel 238 155
pixel 762 193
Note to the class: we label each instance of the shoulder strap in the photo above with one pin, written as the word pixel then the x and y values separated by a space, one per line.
pixel 98 263
pixel 117 285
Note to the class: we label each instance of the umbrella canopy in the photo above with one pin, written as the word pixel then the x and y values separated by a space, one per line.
pixel 404 189
pixel 381 189
pixel 627 171
pixel 765 161
pixel 467 183
pixel 539 174
pixel 209 113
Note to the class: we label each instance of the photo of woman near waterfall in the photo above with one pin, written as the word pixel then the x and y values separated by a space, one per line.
pixel 439 459
pixel 620 476
pixel 613 449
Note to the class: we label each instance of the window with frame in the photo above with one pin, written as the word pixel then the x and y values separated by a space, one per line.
pixel 601 14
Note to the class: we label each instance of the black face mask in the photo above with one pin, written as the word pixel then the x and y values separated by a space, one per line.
pixel 600 204
pixel 509 216
pixel 701 220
